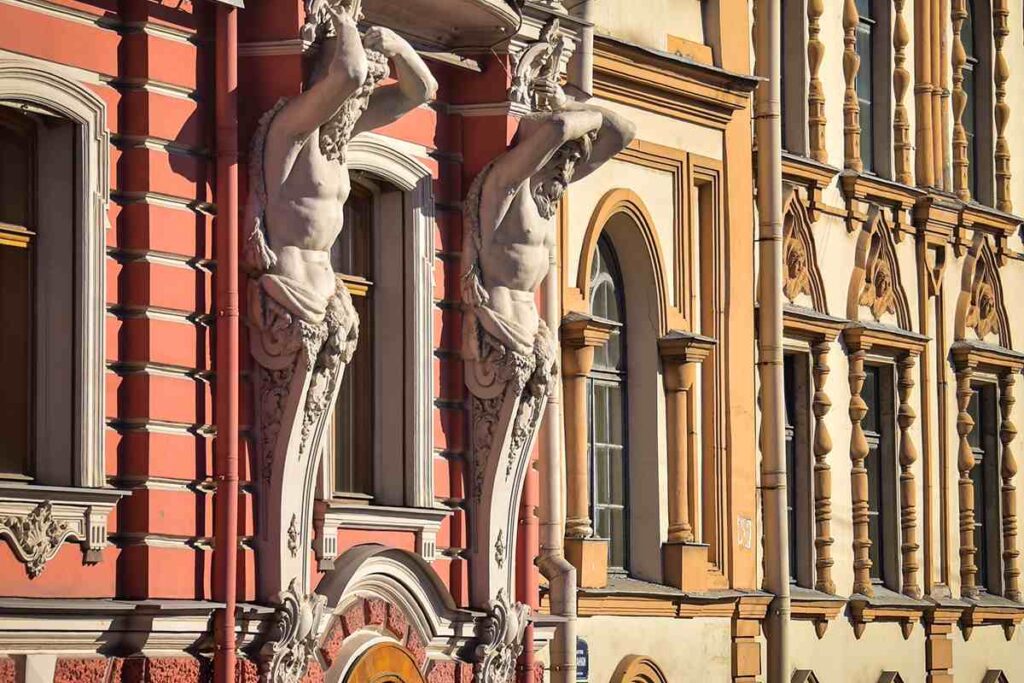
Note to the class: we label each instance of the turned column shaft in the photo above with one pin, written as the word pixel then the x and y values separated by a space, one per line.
pixel 908 489
pixel 576 365
pixel 678 379
pixel 859 479
pixel 1008 469
pixel 821 404
pixel 965 463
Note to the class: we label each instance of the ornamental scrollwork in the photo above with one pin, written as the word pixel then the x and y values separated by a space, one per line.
pixel 293 638
pixel 36 537
pixel 499 637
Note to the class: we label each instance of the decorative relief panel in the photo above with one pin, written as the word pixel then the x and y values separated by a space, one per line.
pixel 875 288
pixel 801 276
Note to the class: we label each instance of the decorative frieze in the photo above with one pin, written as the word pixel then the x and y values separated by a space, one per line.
pixel 1000 74
pixel 900 85
pixel 851 106
pixel 815 92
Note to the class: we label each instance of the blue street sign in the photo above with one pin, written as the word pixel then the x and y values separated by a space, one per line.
pixel 582 660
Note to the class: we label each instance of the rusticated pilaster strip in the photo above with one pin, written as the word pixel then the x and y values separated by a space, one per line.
pixel 1001 73
pixel 900 85
pixel 815 91
pixel 821 404
pixel 959 13
pixel 859 478
pixel 851 107
pixel 905 417
pixel 1007 433
pixel 965 463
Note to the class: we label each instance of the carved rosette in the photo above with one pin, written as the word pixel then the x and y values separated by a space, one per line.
pixel 1001 73
pixel 859 478
pixel 820 405
pixel 499 636
pixel 965 463
pixel 851 106
pixel 36 537
pixel 959 14
pixel 1008 470
pixel 900 84
pixel 905 417
pixel 292 641
pixel 815 92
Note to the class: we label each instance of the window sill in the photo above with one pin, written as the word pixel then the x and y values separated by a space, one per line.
pixel 625 596
pixel 811 605
pixel 36 520
pixel 870 188
pixel 331 515
pixel 886 605
pixel 814 177
pixel 991 609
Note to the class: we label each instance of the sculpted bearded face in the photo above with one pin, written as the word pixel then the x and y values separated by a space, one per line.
pixel 556 176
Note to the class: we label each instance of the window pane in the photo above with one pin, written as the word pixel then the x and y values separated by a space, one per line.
pixel 15 352
pixel 865 90
pixel 617 536
pixel 17 142
pixel 870 395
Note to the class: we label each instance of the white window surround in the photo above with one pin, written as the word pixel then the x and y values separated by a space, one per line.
pixel 79 507
pixel 404 503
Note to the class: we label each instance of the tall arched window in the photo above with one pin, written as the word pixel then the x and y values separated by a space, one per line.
pixel 606 411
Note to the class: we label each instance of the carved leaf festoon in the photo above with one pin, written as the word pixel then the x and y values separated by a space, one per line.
pixel 35 537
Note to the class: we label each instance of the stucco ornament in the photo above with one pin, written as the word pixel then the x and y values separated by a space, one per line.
pixel 879 291
pixel 540 63
pixel 293 641
pixel 303 326
pixel 983 314
pixel 500 640
pixel 509 352
pixel 797 272
pixel 36 537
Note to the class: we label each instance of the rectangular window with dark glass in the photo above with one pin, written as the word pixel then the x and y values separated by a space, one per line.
pixel 799 471
pixel 879 425
pixel 984 442
pixel 874 85
pixel 979 91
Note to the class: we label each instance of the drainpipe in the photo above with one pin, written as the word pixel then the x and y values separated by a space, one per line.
pixel 561 575
pixel 227 343
pixel 526 578
pixel 767 112
pixel 582 69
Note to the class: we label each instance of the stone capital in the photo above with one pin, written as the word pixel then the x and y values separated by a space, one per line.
pixel 680 353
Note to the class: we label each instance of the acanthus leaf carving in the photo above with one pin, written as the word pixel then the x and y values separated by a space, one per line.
pixel 292 641
pixel 35 537
pixel 500 640
pixel 538 69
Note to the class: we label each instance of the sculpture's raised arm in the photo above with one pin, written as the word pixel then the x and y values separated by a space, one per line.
pixel 614 135
pixel 345 74
pixel 415 86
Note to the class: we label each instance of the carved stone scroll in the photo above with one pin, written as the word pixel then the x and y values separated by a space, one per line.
pixel 292 640
pixel 820 405
pixel 908 492
pixel 1008 469
pixel 541 62
pixel 900 85
pixel 499 637
pixel 851 106
pixel 1001 73
pixel 960 162
pixel 815 92
pixel 965 463
pixel 859 478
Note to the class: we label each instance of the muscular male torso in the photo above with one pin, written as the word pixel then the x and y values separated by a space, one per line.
pixel 305 209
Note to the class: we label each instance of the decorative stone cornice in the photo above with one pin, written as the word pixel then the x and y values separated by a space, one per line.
pixel 813 176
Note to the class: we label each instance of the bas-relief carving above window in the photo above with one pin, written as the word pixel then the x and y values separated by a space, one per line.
pixel 876 288
pixel 980 307
pixel 802 283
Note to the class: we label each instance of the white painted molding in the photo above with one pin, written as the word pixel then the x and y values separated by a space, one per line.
pixel 32 83
pixel 425 523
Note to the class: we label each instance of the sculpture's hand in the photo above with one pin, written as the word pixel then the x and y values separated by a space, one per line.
pixel 550 95
pixel 386 41
pixel 340 18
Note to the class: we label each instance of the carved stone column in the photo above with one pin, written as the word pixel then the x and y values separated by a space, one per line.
pixel 859 477
pixel 908 493
pixel 684 562
pixel 1007 433
pixel 900 84
pixel 851 107
pixel 581 335
pixel 965 463
pixel 815 93
pixel 959 14
pixel 1001 73
pixel 820 405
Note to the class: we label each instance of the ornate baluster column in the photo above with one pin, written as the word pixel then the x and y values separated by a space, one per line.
pixel 1000 29
pixel 900 84
pixel 815 93
pixel 965 463
pixel 908 494
pixel 1007 433
pixel 959 12
pixel 820 405
pixel 851 107
pixel 859 477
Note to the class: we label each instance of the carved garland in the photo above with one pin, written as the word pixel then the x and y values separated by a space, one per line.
pixel 815 93
pixel 900 84
pixel 851 107
pixel 1000 29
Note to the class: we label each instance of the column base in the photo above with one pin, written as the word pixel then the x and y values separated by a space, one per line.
pixel 590 557
pixel 685 565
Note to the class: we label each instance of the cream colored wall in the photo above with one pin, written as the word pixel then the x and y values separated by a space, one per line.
pixel 988 649
pixel 839 656
pixel 649 23
pixel 684 649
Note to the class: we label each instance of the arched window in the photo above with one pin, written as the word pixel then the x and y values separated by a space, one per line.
pixel 606 411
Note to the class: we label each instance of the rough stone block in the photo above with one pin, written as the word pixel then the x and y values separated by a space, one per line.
pixel 80 670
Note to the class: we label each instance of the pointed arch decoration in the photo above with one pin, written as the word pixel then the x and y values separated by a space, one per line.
pixel 638 669
pixel 800 273
pixel 981 307
pixel 876 289
pixel 625 201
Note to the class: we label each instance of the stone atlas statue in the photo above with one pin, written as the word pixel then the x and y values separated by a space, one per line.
pixel 303 327
pixel 510 353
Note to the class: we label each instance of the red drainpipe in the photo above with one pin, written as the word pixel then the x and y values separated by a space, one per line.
pixel 526 575
pixel 227 344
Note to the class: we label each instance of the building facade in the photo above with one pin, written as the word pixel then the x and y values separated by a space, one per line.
pixel 197 484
